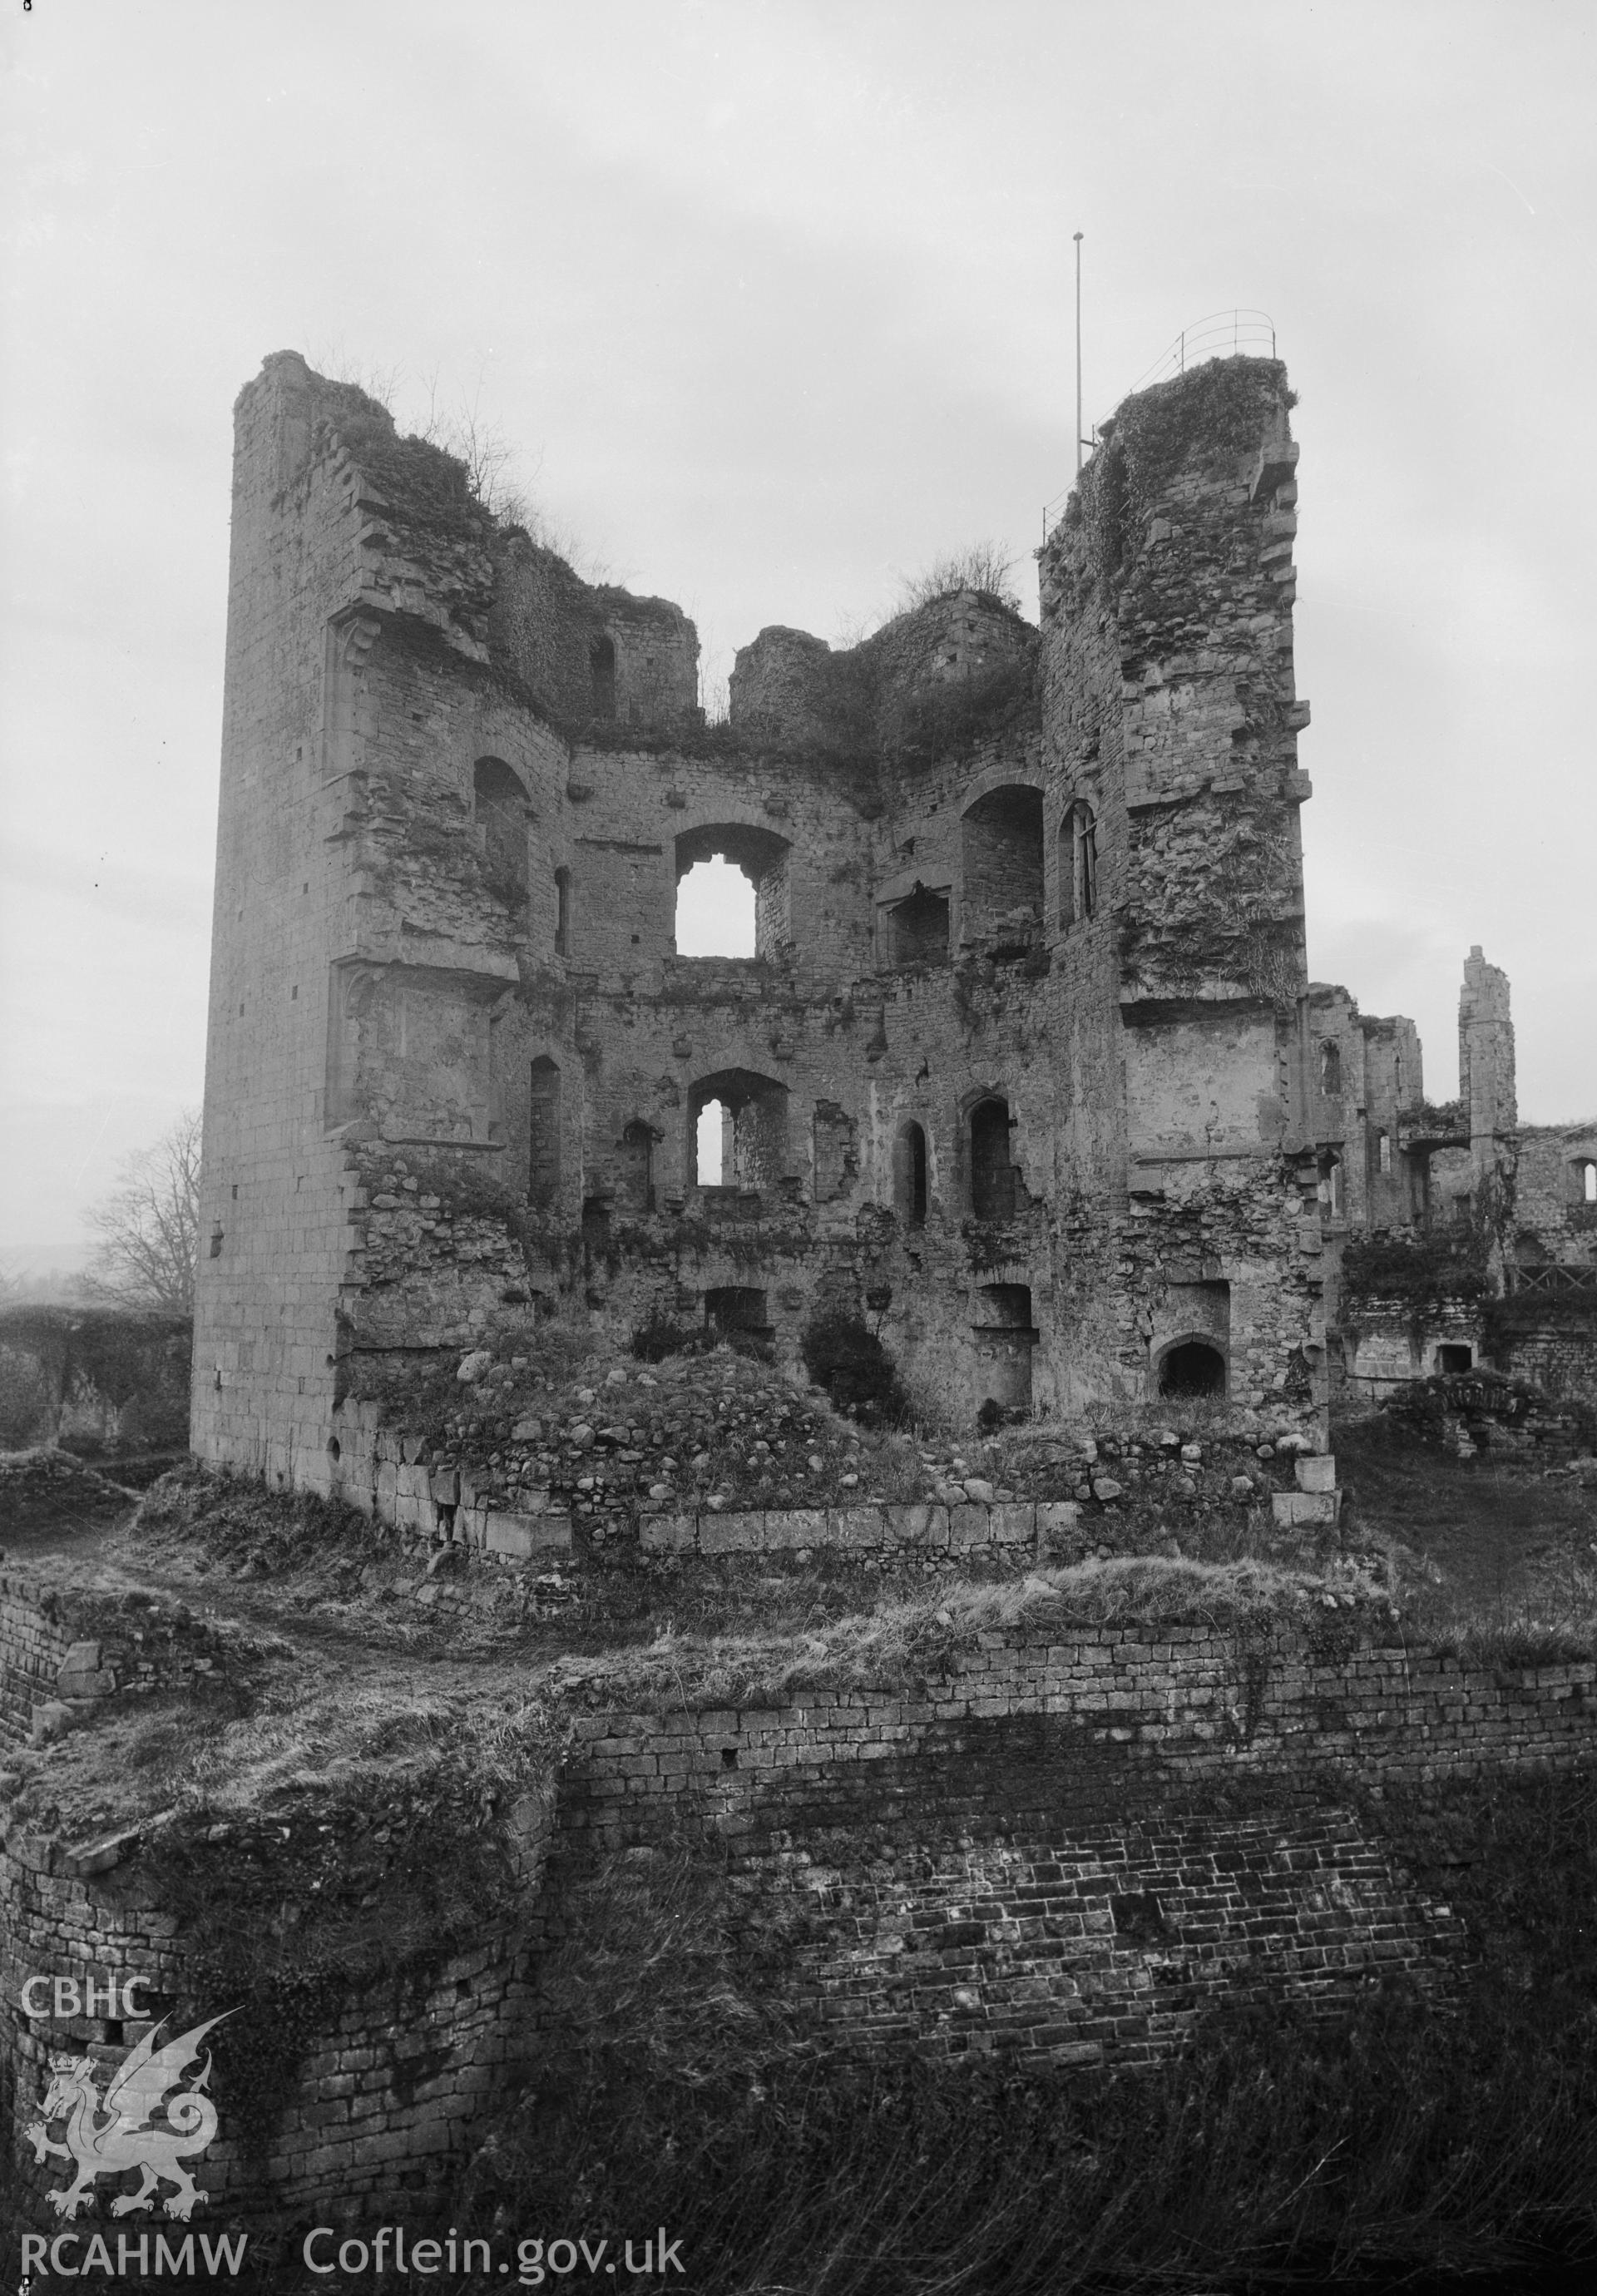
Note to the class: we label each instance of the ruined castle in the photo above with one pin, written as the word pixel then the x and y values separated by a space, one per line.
pixel 1026 1073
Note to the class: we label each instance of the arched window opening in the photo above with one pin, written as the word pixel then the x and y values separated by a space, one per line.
pixel 1077 863
pixel 1002 849
pixel 992 1175
pixel 1585 1181
pixel 635 1189
pixel 715 911
pixel 717 868
pixel 743 1116
pixel 918 931
pixel 1331 1186
pixel 710 1130
pixel 601 669
pixel 499 809
pixel 1383 1151
pixel 1330 1068
pixel 543 1173
pixel 1192 1367
pixel 909 1175
pixel 736 1310
pixel 563 913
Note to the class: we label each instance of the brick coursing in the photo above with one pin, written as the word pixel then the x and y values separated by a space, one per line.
pixel 1036 1846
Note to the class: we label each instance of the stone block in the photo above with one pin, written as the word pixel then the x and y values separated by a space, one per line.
pixel 443 1484
pixel 1014 1522
pixel 521 1536
pixel 795 1527
pixel 864 1528
pixel 919 1525
pixel 731 1534
pixel 1315 1473
pixel 1302 1510
pixel 98 1684
pixel 100 1856
pixel 668 1534
pixel 969 1527
pixel 51 1718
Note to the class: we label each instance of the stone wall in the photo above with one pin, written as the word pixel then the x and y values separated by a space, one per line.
pixel 62 1652
pixel 94 1377
pixel 1067 1840
pixel 378 2107
pixel 402 1012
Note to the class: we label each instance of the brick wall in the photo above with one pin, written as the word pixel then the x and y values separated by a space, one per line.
pixel 1067 1842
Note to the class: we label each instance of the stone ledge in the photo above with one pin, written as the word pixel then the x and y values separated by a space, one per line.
pixel 521 1536
pixel 1299 1509
pixel 872 1526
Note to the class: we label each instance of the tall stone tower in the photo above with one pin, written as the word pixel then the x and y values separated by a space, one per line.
pixel 1014 1074
pixel 1170 718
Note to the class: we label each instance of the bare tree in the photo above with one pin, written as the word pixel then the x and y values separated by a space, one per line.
pixel 148 1226
pixel 984 566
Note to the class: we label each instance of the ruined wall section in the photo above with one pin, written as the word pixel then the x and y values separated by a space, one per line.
pixel 277 1195
pixel 1555 1203
pixel 789 692
pixel 359 949
pixel 1063 1840
pixel 1166 606
pixel 1171 717
pixel 1472 1240
pixel 924 684
pixel 973 891
pixel 852 1052
pixel 582 651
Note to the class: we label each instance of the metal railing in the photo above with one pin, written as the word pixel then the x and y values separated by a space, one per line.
pixel 1221 335
pixel 1561 1280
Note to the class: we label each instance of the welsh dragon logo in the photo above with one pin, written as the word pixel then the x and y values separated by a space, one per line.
pixel 106 2137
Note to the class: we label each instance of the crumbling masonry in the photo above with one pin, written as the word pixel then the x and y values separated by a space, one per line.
pixel 1026 1072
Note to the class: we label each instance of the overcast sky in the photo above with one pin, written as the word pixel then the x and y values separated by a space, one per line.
pixel 774 303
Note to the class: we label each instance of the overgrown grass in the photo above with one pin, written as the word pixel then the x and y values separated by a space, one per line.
pixel 910 1633
pixel 315 1853
pixel 235 1519
pixel 1497 1564
pixel 674 2088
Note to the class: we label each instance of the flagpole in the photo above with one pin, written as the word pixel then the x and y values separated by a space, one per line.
pixel 1079 354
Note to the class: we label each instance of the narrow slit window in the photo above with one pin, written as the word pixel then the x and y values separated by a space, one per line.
pixel 1077 863
pixel 909 1175
pixel 544 1142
